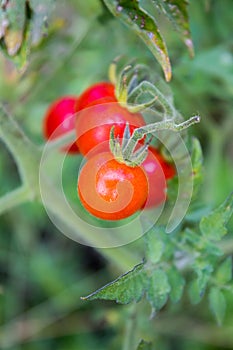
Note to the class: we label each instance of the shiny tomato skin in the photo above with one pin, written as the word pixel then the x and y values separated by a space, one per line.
pixel 111 190
pixel 60 119
pixel 158 171
pixel 168 168
pixel 102 90
pixel 156 180
pixel 93 125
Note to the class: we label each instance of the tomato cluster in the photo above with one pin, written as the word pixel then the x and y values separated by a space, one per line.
pixel 107 187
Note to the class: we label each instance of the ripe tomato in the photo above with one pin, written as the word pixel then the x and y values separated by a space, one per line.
pixel 60 119
pixel 98 91
pixel 168 168
pixel 93 125
pixel 111 190
pixel 158 171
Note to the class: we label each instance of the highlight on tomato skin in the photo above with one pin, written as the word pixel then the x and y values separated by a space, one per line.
pixel 110 190
pixel 59 119
pixel 93 124
pixel 96 93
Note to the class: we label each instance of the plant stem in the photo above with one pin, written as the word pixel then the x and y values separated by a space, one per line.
pixel 14 198
pixel 145 87
pixel 28 157
pixel 168 124
pixel 26 154
pixel 130 331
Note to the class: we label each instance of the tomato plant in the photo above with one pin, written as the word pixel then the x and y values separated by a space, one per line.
pixel 60 119
pixel 93 125
pixel 111 190
pixel 101 92
pixel 50 48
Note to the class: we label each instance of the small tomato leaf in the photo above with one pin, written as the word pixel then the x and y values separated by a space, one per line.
pixel 154 246
pixel 217 304
pixel 158 289
pixel 198 286
pixel 125 289
pixel 143 345
pixel 177 283
pixel 213 226
pixel 177 13
pixel 213 250
pixel 194 293
pixel 224 272
pixel 144 25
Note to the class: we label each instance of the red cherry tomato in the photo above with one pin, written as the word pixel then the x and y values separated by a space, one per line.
pixel 60 119
pixel 93 125
pixel 158 171
pixel 102 90
pixel 111 190
pixel 168 168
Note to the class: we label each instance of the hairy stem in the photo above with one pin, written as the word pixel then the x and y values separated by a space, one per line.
pixel 14 198
pixel 131 329
pixel 25 153
pixel 168 124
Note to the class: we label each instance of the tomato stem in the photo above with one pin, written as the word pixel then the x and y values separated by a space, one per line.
pixel 12 199
pixel 168 124
pixel 132 83
pixel 25 153
pixel 124 152
pixel 147 87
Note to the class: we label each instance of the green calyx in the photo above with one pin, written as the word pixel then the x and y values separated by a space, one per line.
pixel 135 92
pixel 124 151
pixel 126 85
pixel 125 154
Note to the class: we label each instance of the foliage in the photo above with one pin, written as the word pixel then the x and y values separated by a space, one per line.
pixel 167 257
pixel 182 279
pixel 145 26
pixel 23 25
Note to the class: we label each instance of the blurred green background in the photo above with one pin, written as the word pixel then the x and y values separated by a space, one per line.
pixel 42 272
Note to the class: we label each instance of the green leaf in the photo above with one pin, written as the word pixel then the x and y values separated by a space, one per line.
pixel 192 237
pixel 132 285
pixel 177 283
pixel 217 304
pixel 144 25
pixel 197 287
pixel 16 17
pixel 154 246
pixel 194 292
pixel 177 13
pixel 23 24
pixel 224 272
pixel 41 11
pixel 125 289
pixel 213 226
pixel 143 345
pixel 212 249
pixel 158 289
